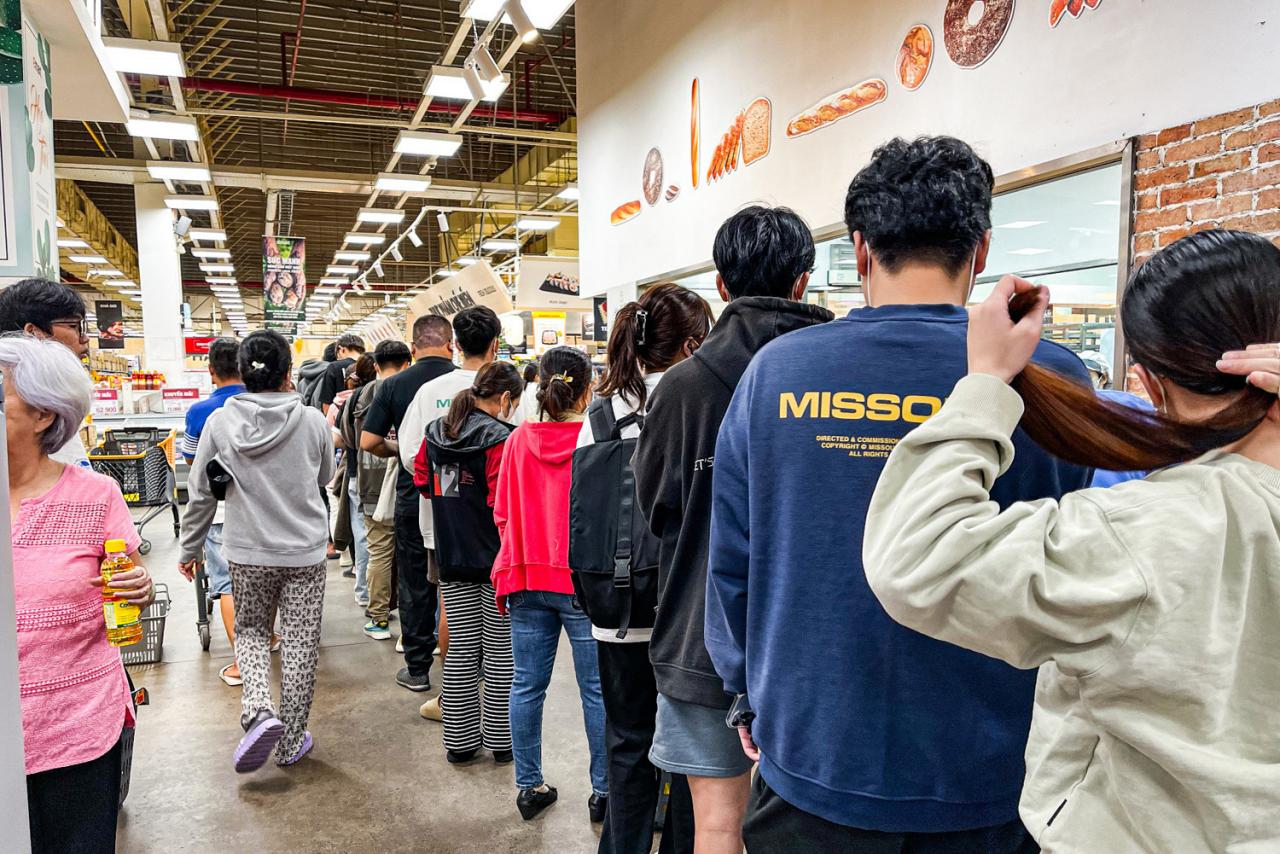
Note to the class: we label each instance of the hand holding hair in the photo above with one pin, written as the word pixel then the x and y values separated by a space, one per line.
pixel 1258 363
pixel 1005 329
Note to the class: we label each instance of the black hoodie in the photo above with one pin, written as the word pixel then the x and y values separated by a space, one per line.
pixel 673 465
pixel 458 486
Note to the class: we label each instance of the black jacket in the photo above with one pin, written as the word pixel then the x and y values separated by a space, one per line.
pixel 467 540
pixel 673 465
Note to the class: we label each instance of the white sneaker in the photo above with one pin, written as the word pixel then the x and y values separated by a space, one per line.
pixel 363 603
pixel 400 644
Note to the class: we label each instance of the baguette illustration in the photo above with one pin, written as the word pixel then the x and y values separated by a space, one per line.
pixel 838 106
pixel 624 212
pixel 694 134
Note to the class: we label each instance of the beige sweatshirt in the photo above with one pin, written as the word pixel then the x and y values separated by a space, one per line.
pixel 1152 610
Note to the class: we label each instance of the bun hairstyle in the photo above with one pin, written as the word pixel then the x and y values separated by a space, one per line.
pixel 265 361
pixel 1192 301
pixel 493 380
pixel 649 335
pixel 531 373
pixel 564 376
pixel 364 370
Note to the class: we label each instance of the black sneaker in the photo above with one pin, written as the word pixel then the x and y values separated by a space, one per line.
pixel 530 802
pixel 460 757
pixel 405 679
pixel 596 807
pixel 503 757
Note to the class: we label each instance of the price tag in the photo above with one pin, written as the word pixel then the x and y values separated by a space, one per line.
pixel 106 401
pixel 179 399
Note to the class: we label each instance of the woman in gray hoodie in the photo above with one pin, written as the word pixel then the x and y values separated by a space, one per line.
pixel 275 451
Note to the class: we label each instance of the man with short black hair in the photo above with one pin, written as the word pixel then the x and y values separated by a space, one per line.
pixel 476 330
pixel 349 347
pixel 870 737
pixel 433 350
pixel 763 257
pixel 224 370
pixel 48 309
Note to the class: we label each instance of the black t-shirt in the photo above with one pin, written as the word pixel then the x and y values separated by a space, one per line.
pixel 391 402
pixel 334 380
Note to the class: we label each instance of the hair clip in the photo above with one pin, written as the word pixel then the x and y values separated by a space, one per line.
pixel 565 378
pixel 257 366
pixel 642 326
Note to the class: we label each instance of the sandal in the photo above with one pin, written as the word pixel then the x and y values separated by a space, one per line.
pixel 231 681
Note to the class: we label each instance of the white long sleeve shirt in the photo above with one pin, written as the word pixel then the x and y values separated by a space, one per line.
pixel 1150 609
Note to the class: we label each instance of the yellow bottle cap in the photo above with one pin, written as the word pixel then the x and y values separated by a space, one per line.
pixel 116 546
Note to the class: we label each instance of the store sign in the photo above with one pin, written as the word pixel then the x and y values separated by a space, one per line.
pixel 284 278
pixel 548 330
pixel 107 401
pixel 476 285
pixel 179 399
pixel 110 315
pixel 547 282
pixel 197 346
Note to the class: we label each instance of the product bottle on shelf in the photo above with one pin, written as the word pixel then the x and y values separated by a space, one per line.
pixel 124 623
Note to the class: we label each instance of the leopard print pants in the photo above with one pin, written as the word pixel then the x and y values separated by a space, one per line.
pixel 299 593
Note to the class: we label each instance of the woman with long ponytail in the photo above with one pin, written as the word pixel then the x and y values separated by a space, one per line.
pixel 1151 605
pixel 456 470
pixel 659 330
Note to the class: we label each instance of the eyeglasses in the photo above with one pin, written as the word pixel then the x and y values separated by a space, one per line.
pixel 81 326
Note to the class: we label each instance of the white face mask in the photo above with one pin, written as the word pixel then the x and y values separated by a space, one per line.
pixel 973 276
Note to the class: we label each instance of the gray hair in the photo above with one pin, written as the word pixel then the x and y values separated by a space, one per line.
pixel 48 376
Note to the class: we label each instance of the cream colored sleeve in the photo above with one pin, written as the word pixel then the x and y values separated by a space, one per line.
pixel 1044 580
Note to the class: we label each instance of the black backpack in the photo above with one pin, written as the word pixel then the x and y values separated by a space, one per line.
pixel 612 553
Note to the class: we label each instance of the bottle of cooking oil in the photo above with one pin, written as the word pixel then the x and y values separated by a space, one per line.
pixel 124 624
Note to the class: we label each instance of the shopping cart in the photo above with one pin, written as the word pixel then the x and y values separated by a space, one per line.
pixel 141 462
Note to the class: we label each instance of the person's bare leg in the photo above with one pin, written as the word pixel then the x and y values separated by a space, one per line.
pixel 227 607
pixel 443 642
pixel 719 805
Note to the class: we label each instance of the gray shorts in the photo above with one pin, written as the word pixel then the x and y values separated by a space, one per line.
pixel 694 740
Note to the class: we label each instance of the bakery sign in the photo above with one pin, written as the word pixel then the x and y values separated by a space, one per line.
pixel 476 285
pixel 547 282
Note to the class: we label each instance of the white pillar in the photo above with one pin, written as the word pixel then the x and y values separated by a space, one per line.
pixel 161 272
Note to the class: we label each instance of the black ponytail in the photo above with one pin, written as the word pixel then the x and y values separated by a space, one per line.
pixel 650 335
pixel 265 360
pixel 494 379
pixel 564 376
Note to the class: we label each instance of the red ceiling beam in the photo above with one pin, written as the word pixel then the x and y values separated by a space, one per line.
pixel 356 99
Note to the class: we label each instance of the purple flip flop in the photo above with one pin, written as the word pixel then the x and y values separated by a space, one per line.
pixel 307 744
pixel 256 745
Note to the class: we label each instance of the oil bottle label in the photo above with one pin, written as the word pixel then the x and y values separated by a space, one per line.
pixel 119 614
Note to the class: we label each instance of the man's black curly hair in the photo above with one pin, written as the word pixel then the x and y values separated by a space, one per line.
pixel 927 201
pixel 476 329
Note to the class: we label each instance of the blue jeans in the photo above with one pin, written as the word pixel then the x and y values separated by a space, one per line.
pixel 215 565
pixel 536 618
pixel 361 538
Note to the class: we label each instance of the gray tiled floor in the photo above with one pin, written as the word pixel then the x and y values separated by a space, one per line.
pixel 377 780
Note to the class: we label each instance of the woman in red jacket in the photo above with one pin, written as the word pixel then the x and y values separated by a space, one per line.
pixel 457 471
pixel 531 576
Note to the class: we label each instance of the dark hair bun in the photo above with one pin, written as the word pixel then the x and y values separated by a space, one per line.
pixel 265 361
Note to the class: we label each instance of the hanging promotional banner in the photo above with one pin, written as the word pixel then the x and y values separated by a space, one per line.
pixel 476 285
pixel 548 330
pixel 600 312
pixel 110 314
pixel 284 278
pixel 547 282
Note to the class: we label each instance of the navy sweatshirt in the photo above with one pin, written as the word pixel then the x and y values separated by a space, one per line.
pixel 859 720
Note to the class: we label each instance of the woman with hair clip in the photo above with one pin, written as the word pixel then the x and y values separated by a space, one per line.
pixel 457 471
pixel 276 450
pixel 660 329
pixel 531 576
pixel 1150 605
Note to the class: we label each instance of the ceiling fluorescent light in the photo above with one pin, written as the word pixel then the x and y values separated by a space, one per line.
pixel 333 280
pixel 192 203
pixel 220 280
pixel 87 259
pixel 533 223
pixel 105 272
pixel 451 84
pixel 123 283
pixel 209 234
pixel 211 253
pixel 500 244
pixel 350 255
pixel 72 243
pixel 543 13
pixel 140 56
pixel 218 268
pixel 445 272
pixel 428 144
pixel 182 128
pixel 390 182
pixel 380 215
pixel 132 293
pixel 515 13
pixel 165 170
pixel 341 270
pixel 362 239
pixel 1022 223
pixel 570 193
pixel 466 261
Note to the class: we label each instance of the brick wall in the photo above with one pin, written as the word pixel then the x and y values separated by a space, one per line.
pixel 1221 171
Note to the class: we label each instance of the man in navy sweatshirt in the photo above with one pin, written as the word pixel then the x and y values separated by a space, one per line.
pixel 871 737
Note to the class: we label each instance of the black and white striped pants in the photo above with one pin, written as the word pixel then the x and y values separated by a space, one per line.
pixel 479 647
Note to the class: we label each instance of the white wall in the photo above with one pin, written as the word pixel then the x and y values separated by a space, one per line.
pixel 1124 68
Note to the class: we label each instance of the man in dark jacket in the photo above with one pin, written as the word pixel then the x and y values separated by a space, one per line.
pixel 763 257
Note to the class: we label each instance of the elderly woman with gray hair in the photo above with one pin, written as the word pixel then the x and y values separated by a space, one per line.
pixel 75 695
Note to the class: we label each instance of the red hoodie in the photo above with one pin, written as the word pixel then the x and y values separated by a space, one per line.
pixel 532 509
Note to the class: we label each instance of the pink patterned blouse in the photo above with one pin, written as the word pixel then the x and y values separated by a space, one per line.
pixel 75 698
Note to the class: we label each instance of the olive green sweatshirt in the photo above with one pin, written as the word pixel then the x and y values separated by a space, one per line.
pixel 1152 610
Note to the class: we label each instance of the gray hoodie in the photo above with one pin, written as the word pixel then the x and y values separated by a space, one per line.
pixel 279 455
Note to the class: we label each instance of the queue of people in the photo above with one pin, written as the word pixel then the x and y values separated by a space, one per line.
pixel 869 601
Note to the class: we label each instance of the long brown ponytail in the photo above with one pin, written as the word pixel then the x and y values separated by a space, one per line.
pixel 649 335
pixel 493 380
pixel 1200 297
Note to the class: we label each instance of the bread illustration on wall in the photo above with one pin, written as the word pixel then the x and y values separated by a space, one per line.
pixel 651 179
pixel 624 212
pixel 915 56
pixel 970 45
pixel 1058 8
pixel 672 192
pixel 746 139
pixel 837 106
pixel 695 132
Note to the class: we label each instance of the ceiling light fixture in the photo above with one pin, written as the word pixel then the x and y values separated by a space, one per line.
pixel 210 234
pixel 484 64
pixel 390 182
pixel 105 272
pixel 132 293
pixel 333 280
pixel 515 13
pixel 427 144
pixel 412 234
pixel 72 243
pixel 141 56
pixel 466 261
pixel 123 283
pixel 191 203
pixel 543 13
pixel 218 268
pixel 165 170
pixel 377 269
pixel 181 128
pixel 220 280
pixel 362 239
pixel 500 244
pixel 442 220
pixel 445 272
pixel 533 223
pixel 395 251
pixel 351 255
pixel 570 193
pixel 454 84
pixel 380 215
pixel 87 259
pixel 341 270
pixel 211 253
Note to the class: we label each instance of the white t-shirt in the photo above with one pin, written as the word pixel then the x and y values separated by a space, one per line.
pixel 72 453
pixel 622 407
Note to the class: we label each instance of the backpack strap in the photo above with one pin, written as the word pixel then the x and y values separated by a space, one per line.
pixel 622 549
pixel 600 415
